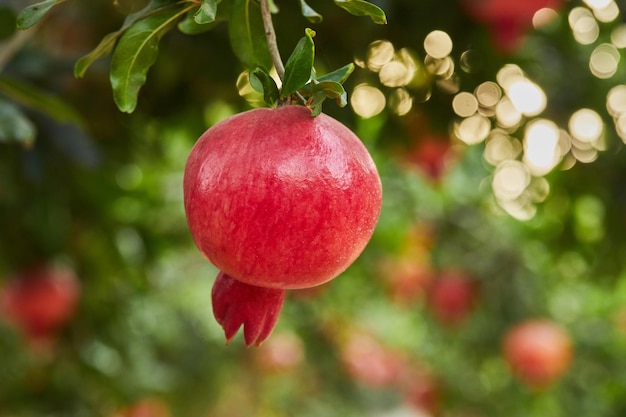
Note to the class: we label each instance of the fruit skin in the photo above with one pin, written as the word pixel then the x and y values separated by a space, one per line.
pixel 538 351
pixel 40 300
pixel 277 200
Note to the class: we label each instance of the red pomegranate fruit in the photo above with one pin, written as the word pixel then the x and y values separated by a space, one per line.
pixel 538 352
pixel 277 199
pixel 40 300
pixel 508 21
pixel 452 297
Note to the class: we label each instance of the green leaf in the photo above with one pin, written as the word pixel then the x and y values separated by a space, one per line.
pixel 29 96
pixel 15 126
pixel 136 52
pixel 331 89
pixel 363 8
pixel 310 14
pixel 339 75
pixel 28 17
pixel 7 22
pixel 189 26
pixel 247 34
pixel 320 91
pixel 206 13
pixel 262 81
pixel 299 65
pixel 106 45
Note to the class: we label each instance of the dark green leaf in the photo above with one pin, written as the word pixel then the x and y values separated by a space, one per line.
pixel 206 13
pixel 339 75
pixel 106 45
pixel 188 26
pixel 308 12
pixel 299 65
pixel 331 89
pixel 7 22
pixel 28 17
pixel 363 8
pixel 15 126
pixel 34 98
pixel 135 53
pixel 247 34
pixel 262 82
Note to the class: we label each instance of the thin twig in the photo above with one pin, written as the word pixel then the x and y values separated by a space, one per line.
pixel 270 34
pixel 13 45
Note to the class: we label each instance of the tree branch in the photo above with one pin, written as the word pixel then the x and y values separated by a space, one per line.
pixel 13 45
pixel 270 34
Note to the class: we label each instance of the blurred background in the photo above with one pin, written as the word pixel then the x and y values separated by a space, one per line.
pixel 494 285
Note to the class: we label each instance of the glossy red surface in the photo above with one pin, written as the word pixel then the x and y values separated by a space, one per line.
pixel 277 198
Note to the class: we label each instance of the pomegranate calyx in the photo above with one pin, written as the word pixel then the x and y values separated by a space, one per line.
pixel 237 304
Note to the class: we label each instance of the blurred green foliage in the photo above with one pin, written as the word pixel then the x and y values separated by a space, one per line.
pixel 104 196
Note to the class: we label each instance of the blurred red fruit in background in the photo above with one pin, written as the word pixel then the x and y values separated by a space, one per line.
pixel 538 351
pixel 39 301
pixel 452 297
pixel 367 361
pixel 431 154
pixel 508 21
pixel 281 353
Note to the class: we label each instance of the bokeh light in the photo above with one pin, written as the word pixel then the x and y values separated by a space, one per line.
pixel 618 36
pixel 464 104
pixel 604 60
pixel 608 13
pixel 438 44
pixel 488 94
pixel 379 53
pixel 473 129
pixel 501 147
pixel 586 126
pixel 543 17
pixel 616 100
pixel 527 97
pixel 510 179
pixel 400 101
pixel 584 25
pixel 507 115
pixel 367 101
pixel 541 146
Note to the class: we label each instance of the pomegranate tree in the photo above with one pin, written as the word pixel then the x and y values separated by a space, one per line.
pixel 277 200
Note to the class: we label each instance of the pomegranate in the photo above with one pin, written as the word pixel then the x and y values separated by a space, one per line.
pixel 507 20
pixel 367 361
pixel 432 155
pixel 277 199
pixel 538 351
pixel 452 297
pixel 282 353
pixel 39 301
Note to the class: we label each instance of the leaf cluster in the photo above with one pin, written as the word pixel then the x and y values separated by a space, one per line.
pixel 301 81
pixel 134 46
